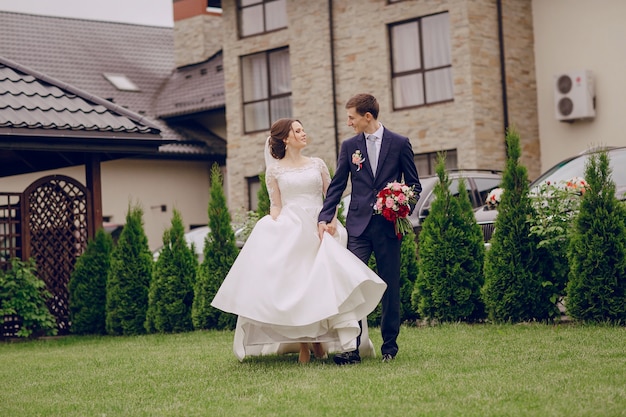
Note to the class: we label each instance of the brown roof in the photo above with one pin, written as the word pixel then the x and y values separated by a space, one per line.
pixel 81 52
pixel 32 100
pixel 193 88
pixel 48 124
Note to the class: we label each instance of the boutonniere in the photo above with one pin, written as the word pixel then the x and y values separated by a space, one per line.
pixel 357 159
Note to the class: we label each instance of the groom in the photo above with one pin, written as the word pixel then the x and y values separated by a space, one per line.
pixel 387 158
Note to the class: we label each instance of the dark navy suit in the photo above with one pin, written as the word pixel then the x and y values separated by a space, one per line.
pixel 368 232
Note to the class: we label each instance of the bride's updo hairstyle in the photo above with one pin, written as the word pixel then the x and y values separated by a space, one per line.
pixel 278 134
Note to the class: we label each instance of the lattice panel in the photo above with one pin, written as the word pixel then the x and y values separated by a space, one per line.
pixel 58 235
pixel 10 228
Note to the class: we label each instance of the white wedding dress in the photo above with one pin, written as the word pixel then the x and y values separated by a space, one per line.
pixel 288 287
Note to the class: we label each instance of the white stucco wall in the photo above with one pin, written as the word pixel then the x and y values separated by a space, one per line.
pixel 149 183
pixel 580 35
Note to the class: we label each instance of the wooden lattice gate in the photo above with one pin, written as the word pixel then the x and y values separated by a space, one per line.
pixel 57 213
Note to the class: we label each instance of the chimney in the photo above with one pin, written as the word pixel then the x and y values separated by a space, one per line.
pixel 197 31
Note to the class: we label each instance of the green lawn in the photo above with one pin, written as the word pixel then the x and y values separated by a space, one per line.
pixel 447 370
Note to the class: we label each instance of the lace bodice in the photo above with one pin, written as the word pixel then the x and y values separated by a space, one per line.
pixel 303 186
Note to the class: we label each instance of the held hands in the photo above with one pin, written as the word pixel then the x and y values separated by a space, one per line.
pixel 327 227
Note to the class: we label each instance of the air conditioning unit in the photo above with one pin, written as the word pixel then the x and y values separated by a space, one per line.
pixel 574 96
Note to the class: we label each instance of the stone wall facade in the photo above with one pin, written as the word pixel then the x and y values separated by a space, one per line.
pixel 197 39
pixel 473 123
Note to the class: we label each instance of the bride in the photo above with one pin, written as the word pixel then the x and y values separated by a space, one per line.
pixel 290 291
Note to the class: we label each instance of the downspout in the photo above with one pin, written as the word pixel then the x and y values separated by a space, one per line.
pixel 332 74
pixel 505 108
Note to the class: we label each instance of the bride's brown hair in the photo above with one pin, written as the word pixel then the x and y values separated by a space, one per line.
pixel 278 133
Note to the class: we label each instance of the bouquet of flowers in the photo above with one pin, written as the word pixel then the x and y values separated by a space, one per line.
pixel 393 202
pixel 494 197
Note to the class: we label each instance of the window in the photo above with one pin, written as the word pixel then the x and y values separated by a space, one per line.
pixel 421 66
pixel 254 186
pixel 121 82
pixel 260 16
pixel 266 80
pixel 426 162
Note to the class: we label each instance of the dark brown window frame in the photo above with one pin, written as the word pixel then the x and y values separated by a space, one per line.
pixel 421 70
pixel 269 97
pixel 240 8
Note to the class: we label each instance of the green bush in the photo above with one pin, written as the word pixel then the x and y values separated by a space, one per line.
pixel 263 207
pixel 451 257
pixel 129 278
pixel 24 295
pixel 220 252
pixel 171 290
pixel 514 289
pixel 597 253
pixel 556 207
pixel 87 286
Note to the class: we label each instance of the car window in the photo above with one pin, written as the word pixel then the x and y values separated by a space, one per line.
pixel 454 190
pixel 484 187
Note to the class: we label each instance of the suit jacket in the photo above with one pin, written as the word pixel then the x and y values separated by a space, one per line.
pixel 395 163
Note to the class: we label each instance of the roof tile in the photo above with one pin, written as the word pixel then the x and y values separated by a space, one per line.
pixel 33 101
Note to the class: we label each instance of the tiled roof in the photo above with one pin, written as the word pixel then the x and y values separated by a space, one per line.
pixel 31 100
pixel 80 52
pixel 47 124
pixel 193 89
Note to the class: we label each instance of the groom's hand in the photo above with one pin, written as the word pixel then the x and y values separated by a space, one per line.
pixel 321 228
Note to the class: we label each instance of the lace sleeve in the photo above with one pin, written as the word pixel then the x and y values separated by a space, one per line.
pixel 325 175
pixel 271 181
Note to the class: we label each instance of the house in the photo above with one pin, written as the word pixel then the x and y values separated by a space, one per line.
pixel 305 59
pixel 46 124
pixel 450 74
pixel 132 66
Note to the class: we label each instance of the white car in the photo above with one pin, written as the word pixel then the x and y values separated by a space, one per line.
pixel 565 170
pixel 196 238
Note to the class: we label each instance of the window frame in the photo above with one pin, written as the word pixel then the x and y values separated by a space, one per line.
pixel 241 8
pixel 269 97
pixel 420 71
pixel 429 160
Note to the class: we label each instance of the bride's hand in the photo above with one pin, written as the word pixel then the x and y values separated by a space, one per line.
pixel 321 228
pixel 331 228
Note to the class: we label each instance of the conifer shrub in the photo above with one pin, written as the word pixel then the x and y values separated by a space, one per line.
pixel 87 286
pixel 596 291
pixel 220 252
pixel 263 197
pixel 451 257
pixel 23 295
pixel 129 278
pixel 171 291
pixel 514 290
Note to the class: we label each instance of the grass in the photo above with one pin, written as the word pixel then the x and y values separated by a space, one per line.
pixel 447 370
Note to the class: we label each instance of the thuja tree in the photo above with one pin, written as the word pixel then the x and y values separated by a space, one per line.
pixel 263 206
pixel 597 253
pixel 171 290
pixel 451 256
pixel 129 278
pixel 87 286
pixel 513 289
pixel 220 252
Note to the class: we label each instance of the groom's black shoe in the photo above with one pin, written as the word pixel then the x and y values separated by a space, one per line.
pixel 347 358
